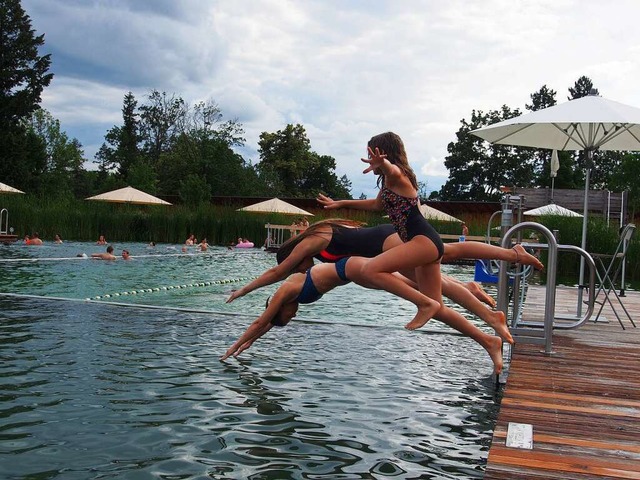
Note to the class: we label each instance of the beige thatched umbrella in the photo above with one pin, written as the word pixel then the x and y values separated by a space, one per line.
pixel 275 205
pixel 431 213
pixel 4 188
pixel 129 195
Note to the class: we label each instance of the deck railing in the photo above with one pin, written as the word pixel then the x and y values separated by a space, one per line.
pixel 542 332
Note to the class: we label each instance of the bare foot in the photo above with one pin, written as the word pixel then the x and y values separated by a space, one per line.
pixel 480 294
pixel 494 348
pixel 525 258
pixel 424 314
pixel 497 321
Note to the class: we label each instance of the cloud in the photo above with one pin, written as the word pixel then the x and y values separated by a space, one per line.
pixel 344 70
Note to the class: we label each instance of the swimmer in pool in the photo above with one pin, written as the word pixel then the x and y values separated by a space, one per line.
pixel 318 280
pixel 108 255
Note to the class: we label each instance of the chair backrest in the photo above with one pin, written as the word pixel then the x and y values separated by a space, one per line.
pixel 625 237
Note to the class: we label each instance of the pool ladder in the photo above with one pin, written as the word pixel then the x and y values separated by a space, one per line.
pixel 536 332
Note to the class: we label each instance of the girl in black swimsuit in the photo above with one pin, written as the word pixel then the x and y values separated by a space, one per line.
pixel 318 280
pixel 421 250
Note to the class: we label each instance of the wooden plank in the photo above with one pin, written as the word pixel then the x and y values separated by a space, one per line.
pixel 583 401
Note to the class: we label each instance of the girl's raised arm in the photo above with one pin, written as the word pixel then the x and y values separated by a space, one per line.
pixel 330 204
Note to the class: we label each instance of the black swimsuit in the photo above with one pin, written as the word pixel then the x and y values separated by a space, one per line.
pixel 407 219
pixel 362 242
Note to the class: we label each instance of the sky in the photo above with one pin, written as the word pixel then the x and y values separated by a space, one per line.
pixel 344 69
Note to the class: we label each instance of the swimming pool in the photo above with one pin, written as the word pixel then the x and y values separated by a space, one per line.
pixel 92 390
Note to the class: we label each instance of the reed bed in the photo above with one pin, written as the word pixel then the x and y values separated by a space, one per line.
pixel 85 221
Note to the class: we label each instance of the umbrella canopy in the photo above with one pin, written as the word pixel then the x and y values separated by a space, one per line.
pixel 4 188
pixel 431 213
pixel 129 195
pixel 589 123
pixel 551 209
pixel 275 205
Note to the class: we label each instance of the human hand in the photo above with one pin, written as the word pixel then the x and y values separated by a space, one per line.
pixel 243 347
pixel 228 353
pixel 327 202
pixel 235 294
pixel 375 160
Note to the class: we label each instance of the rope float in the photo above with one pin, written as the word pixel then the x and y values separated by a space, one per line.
pixel 170 287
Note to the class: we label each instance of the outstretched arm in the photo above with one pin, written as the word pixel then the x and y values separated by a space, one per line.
pixel 308 247
pixel 257 329
pixel 330 204
pixel 263 323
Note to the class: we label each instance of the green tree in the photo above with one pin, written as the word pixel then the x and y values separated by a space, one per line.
pixel 162 120
pixel 63 156
pixel 478 169
pixel 625 177
pixel 290 168
pixel 23 76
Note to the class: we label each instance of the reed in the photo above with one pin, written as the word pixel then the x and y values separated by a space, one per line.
pixel 85 221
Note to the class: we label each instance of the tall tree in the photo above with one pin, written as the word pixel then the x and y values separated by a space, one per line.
pixel 121 150
pixel 292 169
pixel 63 156
pixel 162 120
pixel 477 169
pixel 23 76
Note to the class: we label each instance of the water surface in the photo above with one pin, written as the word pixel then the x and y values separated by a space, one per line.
pixel 104 391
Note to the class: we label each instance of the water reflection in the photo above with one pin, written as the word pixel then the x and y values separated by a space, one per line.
pixel 95 391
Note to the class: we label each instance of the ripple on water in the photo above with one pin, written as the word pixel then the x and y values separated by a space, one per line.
pixel 93 391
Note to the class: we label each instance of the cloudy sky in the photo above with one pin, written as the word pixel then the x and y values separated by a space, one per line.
pixel 345 69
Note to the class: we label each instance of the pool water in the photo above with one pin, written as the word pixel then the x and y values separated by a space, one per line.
pixel 100 390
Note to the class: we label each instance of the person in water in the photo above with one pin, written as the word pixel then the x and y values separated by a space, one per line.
pixel 319 279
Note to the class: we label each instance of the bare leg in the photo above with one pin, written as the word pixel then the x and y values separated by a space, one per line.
pixel 492 344
pixel 456 250
pixel 473 287
pixel 460 295
pixel 429 281
pixel 415 253
pixel 479 292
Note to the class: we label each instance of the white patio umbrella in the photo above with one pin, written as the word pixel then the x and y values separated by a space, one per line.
pixel 551 209
pixel 4 188
pixel 589 123
pixel 435 214
pixel 129 195
pixel 275 205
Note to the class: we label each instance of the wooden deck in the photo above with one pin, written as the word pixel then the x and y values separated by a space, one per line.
pixel 583 401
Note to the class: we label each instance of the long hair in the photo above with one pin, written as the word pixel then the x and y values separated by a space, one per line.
pixel 391 144
pixel 287 247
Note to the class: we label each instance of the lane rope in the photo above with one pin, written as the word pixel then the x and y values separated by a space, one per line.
pixel 170 287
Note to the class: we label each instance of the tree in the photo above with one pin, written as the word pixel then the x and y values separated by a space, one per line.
pixel 162 120
pixel 477 169
pixel 291 169
pixel 23 76
pixel 581 88
pixel 121 150
pixel 625 177
pixel 63 156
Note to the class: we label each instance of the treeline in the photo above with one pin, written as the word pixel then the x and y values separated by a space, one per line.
pixel 478 169
pixel 163 146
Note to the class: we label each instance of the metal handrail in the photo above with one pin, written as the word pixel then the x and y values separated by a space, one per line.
pixel 4 214
pixel 591 287
pixel 552 264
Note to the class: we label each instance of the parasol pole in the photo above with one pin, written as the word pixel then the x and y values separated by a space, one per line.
pixel 585 222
